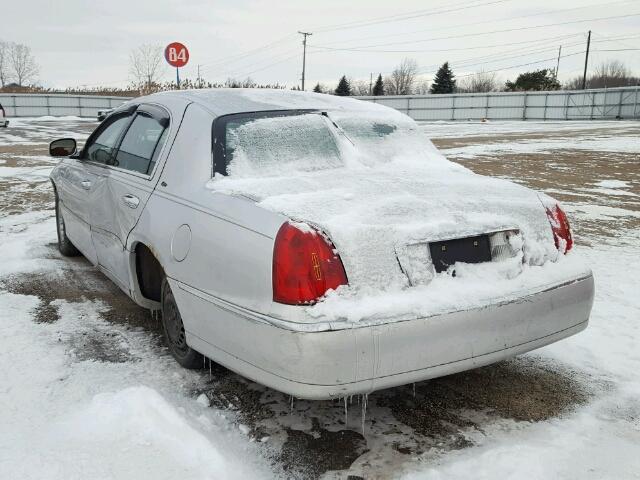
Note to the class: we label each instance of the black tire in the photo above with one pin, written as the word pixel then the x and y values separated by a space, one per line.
pixel 65 246
pixel 174 331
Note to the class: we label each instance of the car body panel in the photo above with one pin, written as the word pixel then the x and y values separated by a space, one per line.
pixel 349 361
pixel 76 186
pixel 111 223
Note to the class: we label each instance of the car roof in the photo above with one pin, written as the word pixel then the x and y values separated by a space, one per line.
pixel 225 101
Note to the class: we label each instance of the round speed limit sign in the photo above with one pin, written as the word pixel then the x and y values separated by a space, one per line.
pixel 176 54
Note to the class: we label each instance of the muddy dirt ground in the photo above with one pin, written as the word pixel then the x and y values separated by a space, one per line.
pixel 309 439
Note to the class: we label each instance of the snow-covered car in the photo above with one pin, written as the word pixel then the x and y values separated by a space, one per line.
pixel 3 117
pixel 318 245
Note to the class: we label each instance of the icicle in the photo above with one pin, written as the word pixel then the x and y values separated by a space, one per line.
pixel 345 411
pixel 209 369
pixel 365 399
pixel 414 390
pixel 291 398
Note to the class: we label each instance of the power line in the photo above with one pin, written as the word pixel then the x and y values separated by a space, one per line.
pixel 404 16
pixel 465 64
pixel 520 65
pixel 492 21
pixel 272 64
pixel 228 70
pixel 617 39
pixel 618 50
pixel 247 53
pixel 560 37
pixel 516 29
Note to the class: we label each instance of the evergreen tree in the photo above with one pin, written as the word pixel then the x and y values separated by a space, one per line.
pixel 444 81
pixel 541 80
pixel 318 88
pixel 378 87
pixel 343 89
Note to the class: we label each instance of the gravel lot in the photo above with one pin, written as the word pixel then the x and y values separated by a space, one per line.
pixel 573 404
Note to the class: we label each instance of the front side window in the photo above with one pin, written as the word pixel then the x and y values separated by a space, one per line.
pixel 102 148
pixel 141 145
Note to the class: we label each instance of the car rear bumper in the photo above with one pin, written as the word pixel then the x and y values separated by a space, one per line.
pixel 334 363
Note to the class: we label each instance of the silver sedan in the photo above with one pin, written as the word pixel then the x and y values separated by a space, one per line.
pixel 318 245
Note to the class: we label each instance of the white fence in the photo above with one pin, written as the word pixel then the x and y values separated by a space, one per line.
pixel 57 105
pixel 560 105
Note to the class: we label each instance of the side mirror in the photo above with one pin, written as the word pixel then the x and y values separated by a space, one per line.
pixel 64 147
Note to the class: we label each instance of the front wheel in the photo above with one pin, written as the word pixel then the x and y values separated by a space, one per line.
pixel 65 246
pixel 174 331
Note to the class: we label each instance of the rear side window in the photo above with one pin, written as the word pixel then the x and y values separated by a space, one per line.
pixel 102 148
pixel 141 145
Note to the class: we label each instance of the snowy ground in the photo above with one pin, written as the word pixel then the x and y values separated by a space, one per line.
pixel 88 390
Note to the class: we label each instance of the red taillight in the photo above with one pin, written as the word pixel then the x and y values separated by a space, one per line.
pixel 305 266
pixel 560 228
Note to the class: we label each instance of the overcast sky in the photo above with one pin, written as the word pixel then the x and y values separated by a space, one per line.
pixel 79 42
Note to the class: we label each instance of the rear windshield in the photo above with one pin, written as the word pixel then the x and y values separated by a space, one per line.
pixel 280 143
pixel 273 143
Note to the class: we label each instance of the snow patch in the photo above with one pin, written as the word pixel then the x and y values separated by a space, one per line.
pixel 613 184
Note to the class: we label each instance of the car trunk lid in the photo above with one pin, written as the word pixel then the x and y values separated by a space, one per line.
pixel 379 218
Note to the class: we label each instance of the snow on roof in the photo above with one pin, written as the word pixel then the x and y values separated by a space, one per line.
pixel 224 101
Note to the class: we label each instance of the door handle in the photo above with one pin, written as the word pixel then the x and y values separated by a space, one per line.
pixel 131 201
pixel 86 184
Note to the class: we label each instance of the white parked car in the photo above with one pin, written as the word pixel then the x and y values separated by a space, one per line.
pixel 3 117
pixel 318 245
pixel 102 114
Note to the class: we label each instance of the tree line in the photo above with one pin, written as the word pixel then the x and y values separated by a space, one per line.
pixel 405 80
pixel 19 72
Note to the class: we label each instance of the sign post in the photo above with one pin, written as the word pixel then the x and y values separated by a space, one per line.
pixel 176 55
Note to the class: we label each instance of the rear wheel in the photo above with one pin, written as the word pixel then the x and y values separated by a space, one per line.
pixel 65 246
pixel 174 331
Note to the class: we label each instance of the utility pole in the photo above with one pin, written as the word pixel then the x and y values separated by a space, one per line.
pixel 558 64
pixel 198 80
pixel 586 61
pixel 304 54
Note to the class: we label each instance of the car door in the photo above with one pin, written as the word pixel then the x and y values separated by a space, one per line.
pixel 79 183
pixel 127 186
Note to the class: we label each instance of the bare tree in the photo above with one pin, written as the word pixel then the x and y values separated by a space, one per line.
pixel 609 74
pixel 23 64
pixel 422 87
pixel 4 63
pixel 146 66
pixel 574 83
pixel 481 82
pixel 359 87
pixel 401 80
